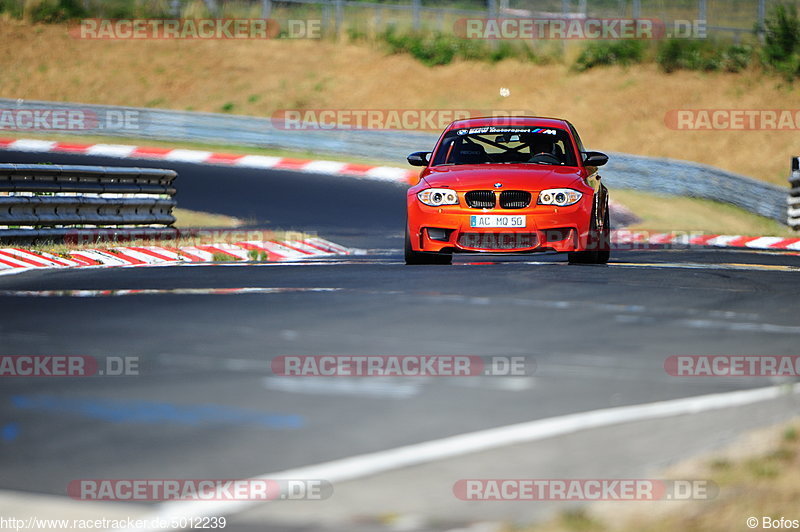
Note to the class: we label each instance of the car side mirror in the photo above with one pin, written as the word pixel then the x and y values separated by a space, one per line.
pixel 594 158
pixel 418 158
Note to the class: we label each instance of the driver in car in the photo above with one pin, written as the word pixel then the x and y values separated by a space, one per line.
pixel 545 151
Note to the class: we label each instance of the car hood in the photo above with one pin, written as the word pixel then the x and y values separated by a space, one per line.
pixel 511 176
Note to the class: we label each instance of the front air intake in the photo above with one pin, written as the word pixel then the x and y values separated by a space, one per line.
pixel 515 199
pixel 480 199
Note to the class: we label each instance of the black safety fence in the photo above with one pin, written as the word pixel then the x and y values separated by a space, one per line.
pixel 43 201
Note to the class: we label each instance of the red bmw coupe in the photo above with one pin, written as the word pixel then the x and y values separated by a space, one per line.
pixel 508 185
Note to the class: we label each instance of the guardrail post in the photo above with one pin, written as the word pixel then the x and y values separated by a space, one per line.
pixel 491 8
pixel 565 11
pixel 491 12
pixel 637 9
pixel 339 17
pixel 762 17
pixel 415 24
pixel 702 11
pixel 266 8
pixel 326 18
pixel 212 7
pixel 793 210
pixel 377 19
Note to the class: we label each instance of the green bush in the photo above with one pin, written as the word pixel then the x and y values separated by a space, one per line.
pixel 436 48
pixel 704 55
pixel 781 50
pixel 136 9
pixel 684 54
pixel 603 53
pixel 12 7
pixel 54 11
pixel 431 50
pixel 737 57
pixel 356 34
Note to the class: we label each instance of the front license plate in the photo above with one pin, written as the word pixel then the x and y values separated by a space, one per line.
pixel 508 222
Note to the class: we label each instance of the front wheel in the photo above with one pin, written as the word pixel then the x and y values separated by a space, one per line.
pixel 415 258
pixel 600 245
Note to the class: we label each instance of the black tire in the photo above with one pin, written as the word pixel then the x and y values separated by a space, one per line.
pixel 600 251
pixel 604 249
pixel 417 258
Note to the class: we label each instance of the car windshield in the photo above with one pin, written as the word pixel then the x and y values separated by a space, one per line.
pixel 506 145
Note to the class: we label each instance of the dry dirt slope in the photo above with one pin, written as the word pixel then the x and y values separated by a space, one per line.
pixel 616 109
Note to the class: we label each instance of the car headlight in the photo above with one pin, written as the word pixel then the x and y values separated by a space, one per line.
pixel 435 197
pixel 561 197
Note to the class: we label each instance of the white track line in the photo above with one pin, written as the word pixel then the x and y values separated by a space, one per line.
pixel 411 455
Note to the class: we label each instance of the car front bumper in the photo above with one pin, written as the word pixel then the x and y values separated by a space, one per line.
pixel 547 228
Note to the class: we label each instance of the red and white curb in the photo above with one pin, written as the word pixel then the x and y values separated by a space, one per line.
pixel 625 239
pixel 383 173
pixel 269 251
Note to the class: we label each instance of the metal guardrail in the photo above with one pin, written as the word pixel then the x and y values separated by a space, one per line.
pixel 659 175
pixel 683 178
pixel 162 124
pixel 39 200
pixel 793 201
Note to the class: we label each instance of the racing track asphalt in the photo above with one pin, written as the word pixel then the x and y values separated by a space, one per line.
pixel 598 337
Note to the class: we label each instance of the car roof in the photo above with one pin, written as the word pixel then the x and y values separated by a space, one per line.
pixel 529 121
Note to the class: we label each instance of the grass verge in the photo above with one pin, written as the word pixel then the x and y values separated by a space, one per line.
pixel 670 213
pixel 758 476
pixel 185 218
